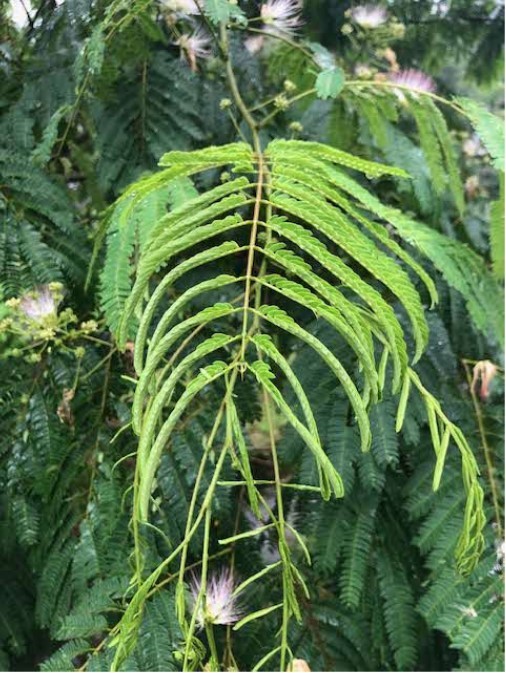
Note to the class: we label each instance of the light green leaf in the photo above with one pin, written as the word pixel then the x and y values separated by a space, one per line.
pixel 295 150
pixel 206 376
pixel 330 83
pixel 330 479
pixel 249 533
pixel 220 11
pixel 146 380
pixel 489 127
pixel 162 397
pixel 497 233
pixel 181 302
pixel 209 255
pixel 278 317
pixel 244 459
pixel 256 615
pixel 255 577
pixel 382 311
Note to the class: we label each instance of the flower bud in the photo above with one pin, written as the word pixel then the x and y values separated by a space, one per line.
pixel 281 102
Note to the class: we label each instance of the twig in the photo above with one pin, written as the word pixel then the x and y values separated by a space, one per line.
pixel 487 451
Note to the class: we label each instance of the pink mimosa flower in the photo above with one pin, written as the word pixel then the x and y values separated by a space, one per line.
pixel 220 604
pixel 38 304
pixel 196 45
pixel 281 16
pixel 484 372
pixel 413 79
pixel 369 16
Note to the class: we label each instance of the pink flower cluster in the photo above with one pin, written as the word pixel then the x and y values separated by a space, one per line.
pixel 38 304
pixel 369 16
pixel 220 604
pixel 281 16
pixel 413 79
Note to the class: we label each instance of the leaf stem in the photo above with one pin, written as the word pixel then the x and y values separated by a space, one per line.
pixel 212 646
pixel 281 529
pixel 250 121
pixel 200 602
pixel 287 40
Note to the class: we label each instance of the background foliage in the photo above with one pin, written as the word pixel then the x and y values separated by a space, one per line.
pixel 91 95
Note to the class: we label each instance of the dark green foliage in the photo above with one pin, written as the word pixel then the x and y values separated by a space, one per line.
pixel 36 246
pixel 92 95
pixel 153 107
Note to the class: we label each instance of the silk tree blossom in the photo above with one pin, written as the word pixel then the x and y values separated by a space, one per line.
pixel 501 551
pixel 413 79
pixel 369 16
pixel 220 604
pixel 473 147
pixel 391 57
pixel 193 46
pixel 281 16
pixel 182 7
pixel 300 665
pixel 484 372
pixel 35 314
pixel 363 71
pixel 39 304
pixel 254 43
